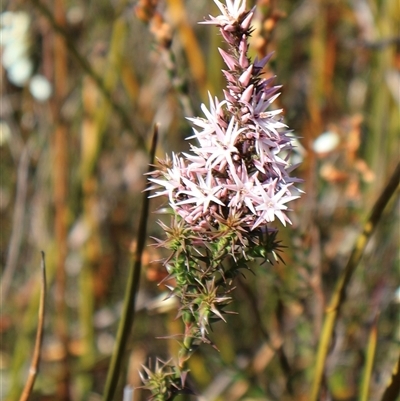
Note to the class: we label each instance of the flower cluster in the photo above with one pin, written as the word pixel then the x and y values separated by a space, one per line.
pixel 240 167
pixel 224 194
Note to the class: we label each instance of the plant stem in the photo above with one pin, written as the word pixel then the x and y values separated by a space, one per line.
pixel 339 295
pixel 132 288
pixel 371 349
pixel 39 337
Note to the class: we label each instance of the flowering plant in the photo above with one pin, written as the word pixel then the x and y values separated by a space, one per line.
pixel 223 195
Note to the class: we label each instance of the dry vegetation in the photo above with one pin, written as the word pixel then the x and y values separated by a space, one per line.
pixel 72 174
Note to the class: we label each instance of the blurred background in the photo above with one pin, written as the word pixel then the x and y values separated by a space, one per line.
pixel 83 83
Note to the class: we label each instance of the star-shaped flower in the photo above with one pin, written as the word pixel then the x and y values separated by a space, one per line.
pixel 242 190
pixel 231 12
pixel 219 153
pixel 271 204
pixel 201 194
pixel 171 178
pixel 213 120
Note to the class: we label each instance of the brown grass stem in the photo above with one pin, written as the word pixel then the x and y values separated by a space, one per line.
pixel 86 66
pixel 132 288
pixel 61 190
pixel 339 295
pixel 33 370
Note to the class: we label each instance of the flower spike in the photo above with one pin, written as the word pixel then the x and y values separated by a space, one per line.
pixel 225 194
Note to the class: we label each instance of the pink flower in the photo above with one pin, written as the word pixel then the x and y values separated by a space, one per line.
pixel 225 193
pixel 272 203
pixel 240 166
pixel 231 14
pixel 202 193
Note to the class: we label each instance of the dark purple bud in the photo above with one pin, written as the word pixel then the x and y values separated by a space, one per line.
pixel 263 62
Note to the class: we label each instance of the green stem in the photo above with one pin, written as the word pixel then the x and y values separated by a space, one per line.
pixel 339 294
pixel 128 313
pixel 371 348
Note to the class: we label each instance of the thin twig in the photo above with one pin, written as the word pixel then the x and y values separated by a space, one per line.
pixel 39 336
pixel 85 65
pixel 132 288
pixel 339 294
